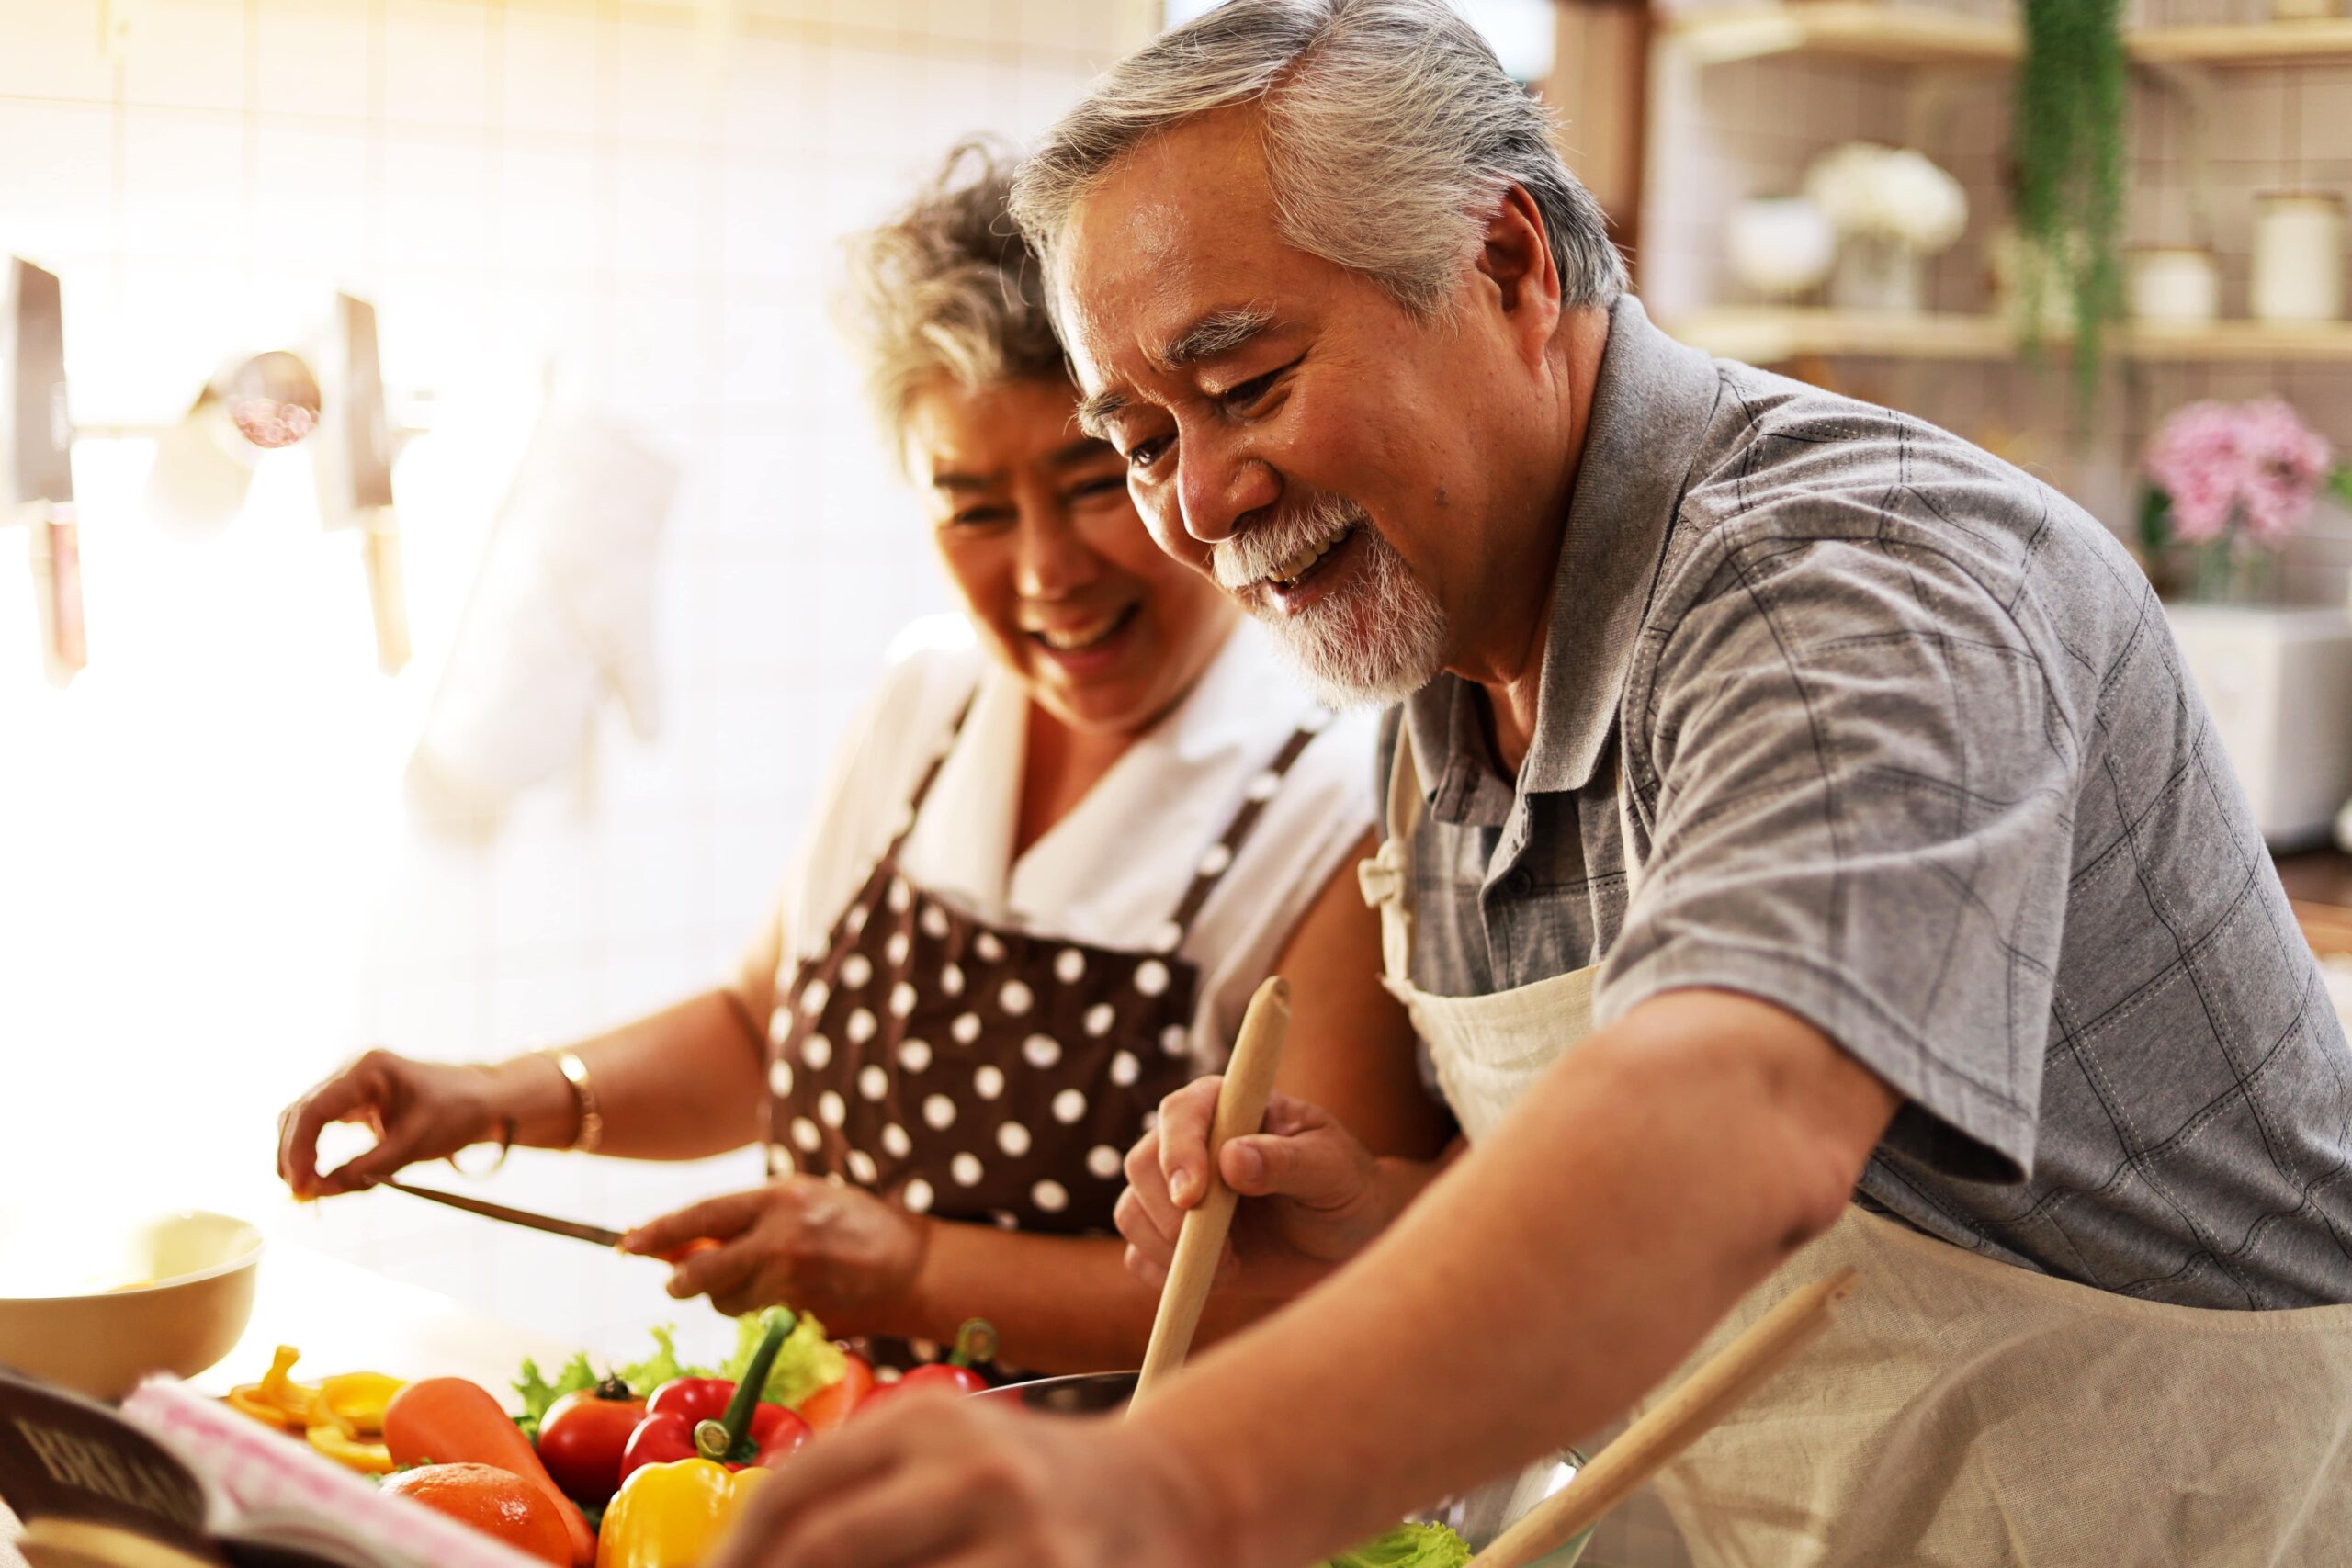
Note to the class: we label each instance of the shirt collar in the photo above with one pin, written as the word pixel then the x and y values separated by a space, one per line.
pixel 1651 403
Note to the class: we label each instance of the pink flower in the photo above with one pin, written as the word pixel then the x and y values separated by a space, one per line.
pixel 2252 466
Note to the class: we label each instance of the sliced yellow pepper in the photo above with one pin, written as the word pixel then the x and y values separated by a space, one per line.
pixel 671 1516
pixel 245 1400
pixel 368 1459
pixel 278 1399
pixel 355 1402
pixel 277 1386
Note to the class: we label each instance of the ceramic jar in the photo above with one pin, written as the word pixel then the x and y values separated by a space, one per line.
pixel 2299 258
pixel 2175 286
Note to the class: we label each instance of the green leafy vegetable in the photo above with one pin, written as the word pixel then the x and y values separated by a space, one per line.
pixel 1409 1546
pixel 537 1394
pixel 644 1377
pixel 808 1361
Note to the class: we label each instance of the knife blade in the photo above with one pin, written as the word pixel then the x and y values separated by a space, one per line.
pixel 41 463
pixel 575 1229
pixel 525 1217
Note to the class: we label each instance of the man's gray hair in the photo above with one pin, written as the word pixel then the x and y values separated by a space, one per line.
pixel 1392 132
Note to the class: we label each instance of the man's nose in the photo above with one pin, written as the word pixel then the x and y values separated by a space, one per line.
pixel 1219 487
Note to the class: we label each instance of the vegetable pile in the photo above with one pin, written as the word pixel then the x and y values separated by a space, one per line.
pixel 641 1467
pixel 1409 1546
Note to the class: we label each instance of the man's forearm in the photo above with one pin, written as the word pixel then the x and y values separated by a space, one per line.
pixel 1533 1292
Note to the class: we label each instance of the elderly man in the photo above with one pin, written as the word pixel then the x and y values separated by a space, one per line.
pixel 1804 850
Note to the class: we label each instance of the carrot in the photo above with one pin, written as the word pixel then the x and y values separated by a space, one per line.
pixel 451 1421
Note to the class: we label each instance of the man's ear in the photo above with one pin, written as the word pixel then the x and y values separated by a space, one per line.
pixel 1516 259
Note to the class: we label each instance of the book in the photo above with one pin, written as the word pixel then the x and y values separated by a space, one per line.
pixel 175 1479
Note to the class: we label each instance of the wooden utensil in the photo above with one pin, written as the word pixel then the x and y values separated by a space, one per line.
pixel 1240 1111
pixel 1649 1444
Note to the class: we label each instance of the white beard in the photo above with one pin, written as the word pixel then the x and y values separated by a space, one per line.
pixel 1377 642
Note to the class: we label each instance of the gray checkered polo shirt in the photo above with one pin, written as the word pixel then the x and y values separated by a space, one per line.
pixel 1910 752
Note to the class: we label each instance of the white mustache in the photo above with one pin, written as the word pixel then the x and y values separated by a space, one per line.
pixel 1249 557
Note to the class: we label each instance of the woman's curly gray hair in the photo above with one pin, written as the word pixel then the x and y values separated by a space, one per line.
pixel 948 290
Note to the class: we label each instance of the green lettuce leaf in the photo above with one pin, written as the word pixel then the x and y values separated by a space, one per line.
pixel 808 1361
pixel 536 1392
pixel 1409 1546
pixel 644 1377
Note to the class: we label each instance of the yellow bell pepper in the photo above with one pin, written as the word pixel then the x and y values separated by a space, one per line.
pixel 355 1402
pixel 671 1516
pixel 278 1399
pixel 353 1453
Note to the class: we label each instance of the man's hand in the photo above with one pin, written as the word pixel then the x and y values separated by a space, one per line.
pixel 837 1251
pixel 939 1482
pixel 1314 1195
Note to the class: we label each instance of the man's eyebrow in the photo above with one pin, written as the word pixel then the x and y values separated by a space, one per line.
pixel 1095 412
pixel 1218 333
pixel 965 482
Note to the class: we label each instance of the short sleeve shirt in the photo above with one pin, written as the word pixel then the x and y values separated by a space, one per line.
pixel 1909 751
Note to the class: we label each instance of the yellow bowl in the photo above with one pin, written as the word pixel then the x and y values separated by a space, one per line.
pixel 97 1305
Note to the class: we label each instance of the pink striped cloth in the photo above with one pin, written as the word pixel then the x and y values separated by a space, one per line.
pixel 252 1471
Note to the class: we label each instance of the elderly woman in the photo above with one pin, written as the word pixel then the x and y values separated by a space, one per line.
pixel 1052 861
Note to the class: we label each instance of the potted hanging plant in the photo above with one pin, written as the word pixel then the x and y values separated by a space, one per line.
pixel 2228 484
pixel 2073 89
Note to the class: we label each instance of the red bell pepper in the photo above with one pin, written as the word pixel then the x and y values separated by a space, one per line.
pixel 712 1418
pixel 976 1341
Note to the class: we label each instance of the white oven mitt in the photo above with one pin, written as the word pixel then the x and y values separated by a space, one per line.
pixel 561 613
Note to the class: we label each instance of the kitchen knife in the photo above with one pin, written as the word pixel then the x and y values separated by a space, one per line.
pixel 573 1228
pixel 42 464
pixel 367 457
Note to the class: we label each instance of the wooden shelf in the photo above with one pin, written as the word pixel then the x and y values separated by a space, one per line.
pixel 1891 32
pixel 1881 30
pixel 1768 335
pixel 2268 44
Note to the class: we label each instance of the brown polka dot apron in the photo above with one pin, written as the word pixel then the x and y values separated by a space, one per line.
pixel 978 1072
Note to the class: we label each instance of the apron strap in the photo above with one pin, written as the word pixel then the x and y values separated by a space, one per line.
pixel 930 777
pixel 1385 878
pixel 1220 855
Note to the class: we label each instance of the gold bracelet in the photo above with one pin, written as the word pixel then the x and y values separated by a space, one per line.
pixel 583 1093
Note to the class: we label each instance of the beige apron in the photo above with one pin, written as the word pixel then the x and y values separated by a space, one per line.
pixel 1962 1412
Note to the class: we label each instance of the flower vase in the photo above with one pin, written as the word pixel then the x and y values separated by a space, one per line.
pixel 2231 571
pixel 1877 274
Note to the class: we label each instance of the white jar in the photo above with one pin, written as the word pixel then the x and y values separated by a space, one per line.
pixel 2299 258
pixel 2175 286
pixel 1779 246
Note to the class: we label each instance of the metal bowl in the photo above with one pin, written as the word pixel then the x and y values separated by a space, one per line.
pixel 1478 1515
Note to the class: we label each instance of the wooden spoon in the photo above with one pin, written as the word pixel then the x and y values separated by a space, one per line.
pixel 1673 1425
pixel 1240 1111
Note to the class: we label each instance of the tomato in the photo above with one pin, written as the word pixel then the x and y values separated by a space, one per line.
pixel 581 1437
pixel 953 1378
pixel 835 1402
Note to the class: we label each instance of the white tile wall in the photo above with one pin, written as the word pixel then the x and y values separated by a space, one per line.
pixel 215 888
pixel 1748 129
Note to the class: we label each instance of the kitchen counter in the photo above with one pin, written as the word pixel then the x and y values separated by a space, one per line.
pixel 344 1318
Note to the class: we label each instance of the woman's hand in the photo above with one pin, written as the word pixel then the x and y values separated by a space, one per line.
pixel 839 1252
pixel 418 1110
pixel 1313 1195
